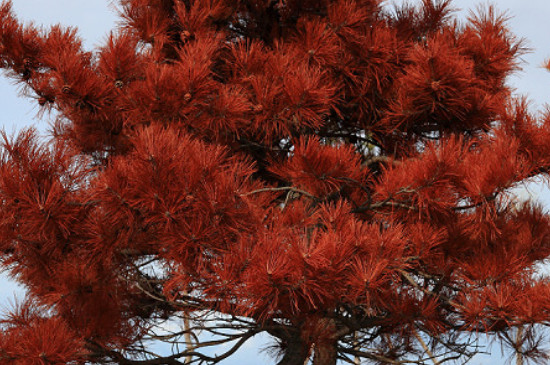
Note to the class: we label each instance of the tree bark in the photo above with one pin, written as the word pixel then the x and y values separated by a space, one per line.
pixel 325 353
pixel 519 355
pixel 296 352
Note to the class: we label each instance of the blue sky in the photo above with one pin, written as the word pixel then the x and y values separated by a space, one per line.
pixel 95 18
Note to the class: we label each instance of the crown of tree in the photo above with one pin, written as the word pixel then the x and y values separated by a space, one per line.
pixel 333 173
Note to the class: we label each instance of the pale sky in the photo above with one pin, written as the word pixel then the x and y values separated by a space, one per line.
pixel 95 18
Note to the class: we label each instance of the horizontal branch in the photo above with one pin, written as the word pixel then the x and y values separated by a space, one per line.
pixel 283 188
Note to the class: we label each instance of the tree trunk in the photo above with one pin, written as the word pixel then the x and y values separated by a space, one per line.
pixel 325 353
pixel 296 352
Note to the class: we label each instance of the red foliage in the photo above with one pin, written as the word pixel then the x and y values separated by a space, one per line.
pixel 333 173
pixel 30 338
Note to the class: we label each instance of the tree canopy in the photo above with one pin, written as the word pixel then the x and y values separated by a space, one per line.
pixel 333 173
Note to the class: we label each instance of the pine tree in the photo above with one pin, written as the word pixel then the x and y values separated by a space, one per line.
pixel 333 173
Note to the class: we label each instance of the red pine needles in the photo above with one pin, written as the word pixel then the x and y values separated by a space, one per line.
pixel 335 174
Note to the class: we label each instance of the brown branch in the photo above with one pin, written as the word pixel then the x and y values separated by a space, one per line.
pixel 425 347
pixel 187 335
pixel 173 359
pixel 215 359
pixel 283 188
pixel 385 203
pixel 388 202
pixel 373 356
pixel 428 292
pixel 485 200
pixel 380 159
pixel 519 355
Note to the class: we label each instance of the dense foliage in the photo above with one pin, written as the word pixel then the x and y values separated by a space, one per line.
pixel 334 173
